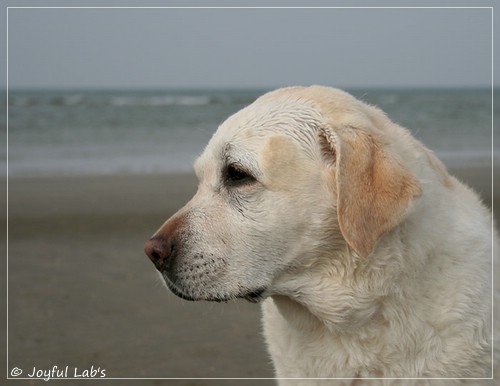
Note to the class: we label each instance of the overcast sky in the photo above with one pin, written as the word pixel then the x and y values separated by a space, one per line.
pixel 262 48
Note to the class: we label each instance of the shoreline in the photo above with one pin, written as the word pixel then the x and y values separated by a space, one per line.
pixel 102 191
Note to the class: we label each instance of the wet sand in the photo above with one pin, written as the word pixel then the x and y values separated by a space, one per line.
pixel 82 292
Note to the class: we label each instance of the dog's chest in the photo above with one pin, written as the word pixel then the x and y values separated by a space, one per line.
pixel 301 347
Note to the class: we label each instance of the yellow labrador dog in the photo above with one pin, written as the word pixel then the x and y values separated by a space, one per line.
pixel 370 259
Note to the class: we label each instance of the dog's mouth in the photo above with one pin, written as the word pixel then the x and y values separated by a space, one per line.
pixel 253 296
pixel 177 292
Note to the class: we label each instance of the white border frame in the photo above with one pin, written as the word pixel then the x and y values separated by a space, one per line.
pixel 9 371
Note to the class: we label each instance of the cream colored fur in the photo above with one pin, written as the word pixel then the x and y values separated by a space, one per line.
pixel 371 260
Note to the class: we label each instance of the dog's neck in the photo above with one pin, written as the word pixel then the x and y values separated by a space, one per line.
pixel 319 316
pixel 290 308
pixel 344 292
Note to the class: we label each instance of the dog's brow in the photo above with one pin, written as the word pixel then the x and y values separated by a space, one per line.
pixel 244 159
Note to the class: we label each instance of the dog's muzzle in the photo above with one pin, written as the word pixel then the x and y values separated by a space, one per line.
pixel 161 251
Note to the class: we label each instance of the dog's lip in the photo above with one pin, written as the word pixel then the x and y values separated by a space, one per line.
pixel 253 296
pixel 175 289
pixel 177 292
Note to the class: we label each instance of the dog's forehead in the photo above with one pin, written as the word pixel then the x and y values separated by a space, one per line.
pixel 272 112
pixel 269 115
pixel 294 112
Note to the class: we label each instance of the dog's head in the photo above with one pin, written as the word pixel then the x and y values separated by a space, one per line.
pixel 300 173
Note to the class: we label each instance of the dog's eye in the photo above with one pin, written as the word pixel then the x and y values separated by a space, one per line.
pixel 237 176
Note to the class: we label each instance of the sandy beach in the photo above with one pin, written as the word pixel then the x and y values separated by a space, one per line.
pixel 82 293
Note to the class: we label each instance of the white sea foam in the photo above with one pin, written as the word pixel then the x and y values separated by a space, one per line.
pixel 84 132
pixel 161 100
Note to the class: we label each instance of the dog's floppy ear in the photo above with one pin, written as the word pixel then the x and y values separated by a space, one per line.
pixel 374 190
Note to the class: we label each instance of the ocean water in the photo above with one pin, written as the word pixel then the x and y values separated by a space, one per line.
pixel 119 132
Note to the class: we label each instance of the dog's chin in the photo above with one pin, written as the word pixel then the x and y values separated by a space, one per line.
pixel 252 296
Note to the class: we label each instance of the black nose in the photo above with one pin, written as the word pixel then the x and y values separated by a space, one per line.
pixel 160 251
